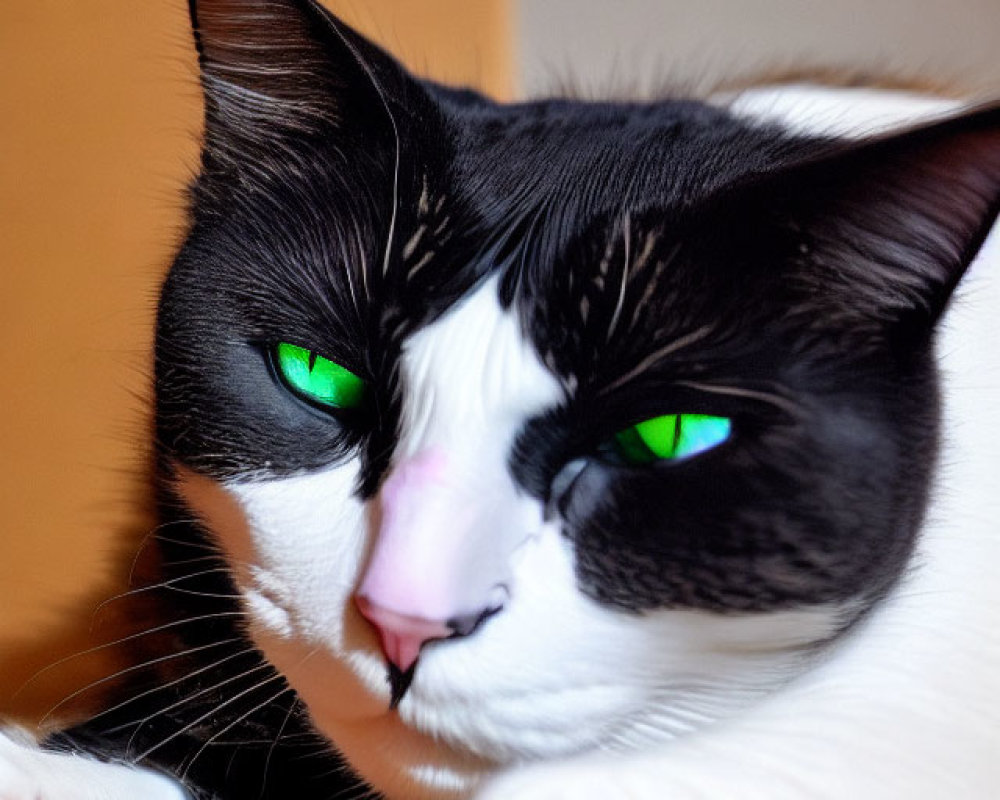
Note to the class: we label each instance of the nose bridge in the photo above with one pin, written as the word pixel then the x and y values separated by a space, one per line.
pixel 470 379
pixel 446 404
pixel 451 515
pixel 442 548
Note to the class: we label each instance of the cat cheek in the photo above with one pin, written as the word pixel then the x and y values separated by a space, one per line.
pixel 293 546
pixel 222 514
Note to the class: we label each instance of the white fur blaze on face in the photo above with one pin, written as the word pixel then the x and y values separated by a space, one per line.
pixel 452 516
pixel 553 673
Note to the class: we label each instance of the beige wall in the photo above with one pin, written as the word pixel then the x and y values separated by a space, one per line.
pixel 652 45
pixel 99 114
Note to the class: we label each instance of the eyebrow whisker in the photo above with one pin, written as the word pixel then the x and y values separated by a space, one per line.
pixel 677 344
pixel 782 403
pixel 627 223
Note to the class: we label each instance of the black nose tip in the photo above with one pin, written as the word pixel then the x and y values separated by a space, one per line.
pixel 468 624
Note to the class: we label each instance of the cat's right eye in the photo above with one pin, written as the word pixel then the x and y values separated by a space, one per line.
pixel 317 378
pixel 671 437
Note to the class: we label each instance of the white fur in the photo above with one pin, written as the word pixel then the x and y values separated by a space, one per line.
pixel 469 382
pixel 27 773
pixel 834 111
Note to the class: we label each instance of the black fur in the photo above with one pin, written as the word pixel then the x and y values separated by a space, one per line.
pixel 790 283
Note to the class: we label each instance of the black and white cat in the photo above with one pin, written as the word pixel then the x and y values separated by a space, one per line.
pixel 561 449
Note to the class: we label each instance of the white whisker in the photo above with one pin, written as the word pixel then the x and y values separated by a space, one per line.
pixel 242 652
pixel 274 744
pixel 129 669
pixel 627 223
pixel 653 281
pixel 183 543
pixel 676 345
pixel 213 710
pixel 398 149
pixel 139 723
pixel 795 409
pixel 187 561
pixel 152 587
pixel 123 640
pixel 237 721
pixel 154 534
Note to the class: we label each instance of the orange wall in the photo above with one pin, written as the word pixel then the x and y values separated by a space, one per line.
pixel 98 128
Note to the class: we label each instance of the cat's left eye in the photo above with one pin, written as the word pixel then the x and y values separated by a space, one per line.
pixel 671 437
pixel 317 378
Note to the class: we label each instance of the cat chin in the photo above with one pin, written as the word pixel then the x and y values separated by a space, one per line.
pixel 348 702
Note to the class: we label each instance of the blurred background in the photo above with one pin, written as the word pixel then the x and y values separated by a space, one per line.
pixel 99 124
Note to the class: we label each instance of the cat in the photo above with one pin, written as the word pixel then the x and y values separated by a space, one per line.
pixel 556 449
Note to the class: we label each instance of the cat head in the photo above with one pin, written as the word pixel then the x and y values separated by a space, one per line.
pixel 528 429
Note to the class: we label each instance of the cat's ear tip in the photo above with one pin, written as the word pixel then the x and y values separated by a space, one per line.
pixel 893 220
pixel 971 135
pixel 282 70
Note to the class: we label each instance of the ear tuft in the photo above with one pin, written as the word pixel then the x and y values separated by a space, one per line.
pixel 274 68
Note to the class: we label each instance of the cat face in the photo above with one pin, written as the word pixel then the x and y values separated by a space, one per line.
pixel 611 414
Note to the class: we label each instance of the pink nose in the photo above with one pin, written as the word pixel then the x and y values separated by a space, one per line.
pixel 402 635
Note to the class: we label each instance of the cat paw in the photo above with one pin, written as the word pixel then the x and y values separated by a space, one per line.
pixel 29 773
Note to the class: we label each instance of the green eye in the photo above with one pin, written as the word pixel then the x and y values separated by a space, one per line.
pixel 671 437
pixel 319 379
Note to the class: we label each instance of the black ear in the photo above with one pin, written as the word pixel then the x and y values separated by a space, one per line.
pixel 888 226
pixel 281 70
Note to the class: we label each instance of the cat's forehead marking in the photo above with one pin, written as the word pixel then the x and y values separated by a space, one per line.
pixel 472 378
pixel 619 301
pixel 432 232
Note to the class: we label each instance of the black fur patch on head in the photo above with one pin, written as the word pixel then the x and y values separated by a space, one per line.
pixel 800 304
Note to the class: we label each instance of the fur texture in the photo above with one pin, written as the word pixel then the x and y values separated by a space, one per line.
pixel 516 284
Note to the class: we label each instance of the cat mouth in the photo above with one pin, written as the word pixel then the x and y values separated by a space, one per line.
pixel 401 679
pixel 403 637
pixel 399 683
